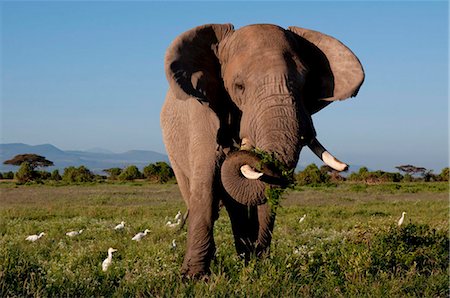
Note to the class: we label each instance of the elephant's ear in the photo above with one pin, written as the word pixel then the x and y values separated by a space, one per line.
pixel 335 72
pixel 191 64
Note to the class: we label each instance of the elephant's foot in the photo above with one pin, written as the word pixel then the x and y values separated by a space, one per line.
pixel 197 271
pixel 197 267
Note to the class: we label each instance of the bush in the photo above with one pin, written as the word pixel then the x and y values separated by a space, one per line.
pixel 25 173
pixel 55 176
pixel 312 175
pixel 80 174
pixel 8 175
pixel 130 173
pixel 114 173
pixel 41 176
pixel 444 175
pixel 160 172
pixel 364 175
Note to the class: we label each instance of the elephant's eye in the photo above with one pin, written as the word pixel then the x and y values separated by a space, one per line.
pixel 239 86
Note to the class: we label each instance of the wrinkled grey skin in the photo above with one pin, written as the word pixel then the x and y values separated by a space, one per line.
pixel 261 83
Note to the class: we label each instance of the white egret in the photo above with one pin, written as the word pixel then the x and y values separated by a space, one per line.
pixel 107 262
pixel 174 245
pixel 400 221
pixel 178 216
pixel 33 238
pixel 140 235
pixel 302 218
pixel 120 226
pixel 74 233
pixel 173 225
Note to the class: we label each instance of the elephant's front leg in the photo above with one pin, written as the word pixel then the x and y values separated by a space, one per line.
pixel 203 211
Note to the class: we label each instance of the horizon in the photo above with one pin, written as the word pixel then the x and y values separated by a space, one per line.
pixel 93 71
pixel 312 159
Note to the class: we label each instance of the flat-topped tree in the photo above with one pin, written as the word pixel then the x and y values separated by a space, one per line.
pixel 412 170
pixel 34 160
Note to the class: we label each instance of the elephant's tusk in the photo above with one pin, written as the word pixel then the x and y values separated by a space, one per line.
pixel 334 162
pixel 327 158
pixel 249 173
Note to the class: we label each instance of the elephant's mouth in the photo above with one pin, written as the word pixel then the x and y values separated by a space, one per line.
pixel 245 177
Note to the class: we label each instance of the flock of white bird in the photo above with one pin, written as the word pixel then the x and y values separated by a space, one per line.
pixel 138 237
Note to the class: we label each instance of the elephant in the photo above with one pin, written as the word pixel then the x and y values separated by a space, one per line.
pixel 231 92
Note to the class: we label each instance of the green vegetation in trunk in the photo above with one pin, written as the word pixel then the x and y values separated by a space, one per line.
pixel 269 160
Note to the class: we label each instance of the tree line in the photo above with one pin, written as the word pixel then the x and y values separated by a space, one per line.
pixel 161 172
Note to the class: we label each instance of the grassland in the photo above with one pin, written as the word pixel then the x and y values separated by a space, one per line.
pixel 349 244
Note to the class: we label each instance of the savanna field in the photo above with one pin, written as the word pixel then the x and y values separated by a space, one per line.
pixel 349 243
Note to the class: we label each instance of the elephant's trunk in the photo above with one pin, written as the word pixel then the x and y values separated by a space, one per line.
pixel 276 129
pixel 246 191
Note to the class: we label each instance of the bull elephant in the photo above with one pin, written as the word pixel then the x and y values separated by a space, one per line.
pixel 234 90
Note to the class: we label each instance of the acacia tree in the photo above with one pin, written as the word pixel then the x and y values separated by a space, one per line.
pixel 28 164
pixel 411 170
pixel 33 160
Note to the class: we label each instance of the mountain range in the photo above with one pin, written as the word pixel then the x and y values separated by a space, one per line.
pixel 96 159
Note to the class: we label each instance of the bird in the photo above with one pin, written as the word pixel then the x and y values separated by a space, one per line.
pixel 400 221
pixel 173 224
pixel 302 218
pixel 120 226
pixel 74 233
pixel 33 238
pixel 107 262
pixel 174 245
pixel 178 216
pixel 140 235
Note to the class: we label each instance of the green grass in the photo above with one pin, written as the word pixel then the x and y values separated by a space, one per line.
pixel 348 245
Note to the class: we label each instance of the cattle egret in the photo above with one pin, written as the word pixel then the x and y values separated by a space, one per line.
pixel 33 238
pixel 140 235
pixel 173 225
pixel 120 226
pixel 74 233
pixel 178 216
pixel 302 218
pixel 174 245
pixel 400 221
pixel 107 262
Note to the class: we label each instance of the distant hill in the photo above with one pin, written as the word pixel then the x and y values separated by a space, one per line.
pixel 96 159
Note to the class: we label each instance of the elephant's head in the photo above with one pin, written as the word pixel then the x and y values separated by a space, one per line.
pixel 264 83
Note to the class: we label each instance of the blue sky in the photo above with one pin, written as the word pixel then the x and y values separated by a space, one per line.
pixel 90 74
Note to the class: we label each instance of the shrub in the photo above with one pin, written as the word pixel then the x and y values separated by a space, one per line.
pixel 113 173
pixel 43 175
pixel 80 174
pixel 8 175
pixel 444 175
pixel 130 173
pixel 55 176
pixel 25 173
pixel 160 172
pixel 312 175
